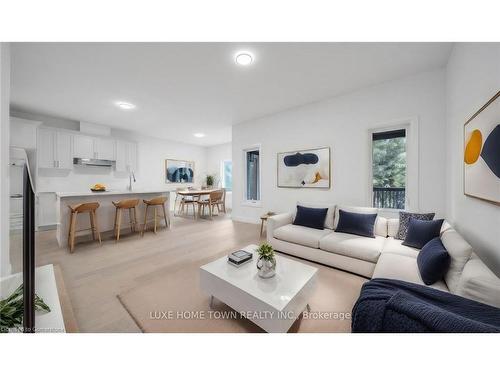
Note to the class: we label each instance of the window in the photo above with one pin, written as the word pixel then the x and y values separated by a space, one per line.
pixel 227 174
pixel 389 169
pixel 252 170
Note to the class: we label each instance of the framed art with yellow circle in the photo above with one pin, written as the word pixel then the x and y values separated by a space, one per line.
pixel 481 158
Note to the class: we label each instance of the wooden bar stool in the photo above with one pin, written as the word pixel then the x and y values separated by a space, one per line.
pixel 76 209
pixel 125 204
pixel 156 203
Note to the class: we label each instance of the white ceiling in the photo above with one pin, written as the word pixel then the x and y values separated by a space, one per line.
pixel 185 88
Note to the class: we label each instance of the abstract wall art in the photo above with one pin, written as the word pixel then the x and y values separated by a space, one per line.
pixel 482 152
pixel 179 171
pixel 304 168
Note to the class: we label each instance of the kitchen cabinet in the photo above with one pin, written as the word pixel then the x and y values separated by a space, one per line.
pixel 54 149
pixel 87 147
pixel 104 148
pixel 46 214
pixel 126 156
pixel 83 147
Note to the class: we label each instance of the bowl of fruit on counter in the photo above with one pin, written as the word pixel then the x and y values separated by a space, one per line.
pixel 98 188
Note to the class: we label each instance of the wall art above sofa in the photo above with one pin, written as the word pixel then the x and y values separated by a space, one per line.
pixel 304 168
pixel 482 152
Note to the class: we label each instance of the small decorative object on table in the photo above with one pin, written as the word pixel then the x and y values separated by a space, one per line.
pixel 98 188
pixel 210 180
pixel 266 264
pixel 239 257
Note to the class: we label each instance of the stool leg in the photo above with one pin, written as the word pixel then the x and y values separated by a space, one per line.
pixel 145 220
pixel 155 217
pixel 130 220
pixel 135 219
pixel 114 225
pixel 118 224
pixel 261 227
pixel 92 225
pixel 165 216
pixel 70 230
pixel 73 229
pixel 96 227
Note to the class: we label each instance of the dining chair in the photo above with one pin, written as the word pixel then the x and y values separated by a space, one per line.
pixel 214 200
pixel 186 201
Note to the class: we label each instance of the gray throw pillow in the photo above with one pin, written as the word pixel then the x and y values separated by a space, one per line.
pixel 404 222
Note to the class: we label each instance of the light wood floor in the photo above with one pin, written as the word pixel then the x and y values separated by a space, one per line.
pixel 95 274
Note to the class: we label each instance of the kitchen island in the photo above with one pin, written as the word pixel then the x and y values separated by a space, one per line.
pixel 106 211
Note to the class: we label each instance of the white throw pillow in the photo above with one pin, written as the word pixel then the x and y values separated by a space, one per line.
pixel 460 253
pixel 380 227
pixel 329 214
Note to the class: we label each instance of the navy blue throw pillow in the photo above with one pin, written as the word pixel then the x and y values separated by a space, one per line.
pixel 422 231
pixel 433 261
pixel 310 217
pixel 353 223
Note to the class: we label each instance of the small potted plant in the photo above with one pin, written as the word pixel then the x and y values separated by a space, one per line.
pixel 210 180
pixel 266 264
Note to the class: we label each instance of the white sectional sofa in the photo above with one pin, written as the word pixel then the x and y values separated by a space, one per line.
pixel 383 256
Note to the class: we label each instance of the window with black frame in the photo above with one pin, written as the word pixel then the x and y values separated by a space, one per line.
pixel 389 165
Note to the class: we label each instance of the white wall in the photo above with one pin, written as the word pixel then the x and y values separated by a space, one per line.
pixel 342 123
pixel 473 77
pixel 215 156
pixel 5 266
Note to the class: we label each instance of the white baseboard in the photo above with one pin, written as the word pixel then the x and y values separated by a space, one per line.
pixel 243 219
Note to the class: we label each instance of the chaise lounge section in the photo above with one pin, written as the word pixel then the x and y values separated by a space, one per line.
pixel 383 256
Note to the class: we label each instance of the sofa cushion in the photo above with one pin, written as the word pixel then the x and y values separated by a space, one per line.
pixel 301 235
pixel 394 246
pixel 479 283
pixel 310 217
pixel 353 223
pixel 401 267
pixel 363 248
pixel 404 221
pixel 393 227
pixel 422 231
pixel 329 215
pixel 433 261
pixel 380 228
pixel 460 252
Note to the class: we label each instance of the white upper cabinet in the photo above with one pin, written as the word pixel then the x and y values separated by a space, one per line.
pixel 46 148
pixel 126 156
pixel 83 147
pixel 104 148
pixel 54 149
pixel 87 147
pixel 64 156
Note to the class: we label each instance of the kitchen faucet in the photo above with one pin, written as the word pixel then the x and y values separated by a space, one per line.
pixel 130 177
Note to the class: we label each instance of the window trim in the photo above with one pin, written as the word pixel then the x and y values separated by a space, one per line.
pixel 412 161
pixel 223 179
pixel 245 201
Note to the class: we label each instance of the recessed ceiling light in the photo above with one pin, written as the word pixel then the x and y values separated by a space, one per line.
pixel 199 135
pixel 125 105
pixel 244 58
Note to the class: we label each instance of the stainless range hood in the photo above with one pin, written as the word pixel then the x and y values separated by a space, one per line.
pixel 93 162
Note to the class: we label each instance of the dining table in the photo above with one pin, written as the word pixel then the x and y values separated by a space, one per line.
pixel 196 194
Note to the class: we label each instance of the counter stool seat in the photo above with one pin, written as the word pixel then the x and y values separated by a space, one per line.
pixel 125 204
pixel 91 208
pixel 156 203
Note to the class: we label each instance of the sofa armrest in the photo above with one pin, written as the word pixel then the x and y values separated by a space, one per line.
pixel 479 283
pixel 276 221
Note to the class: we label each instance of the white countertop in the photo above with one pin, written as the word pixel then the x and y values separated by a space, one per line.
pixel 89 193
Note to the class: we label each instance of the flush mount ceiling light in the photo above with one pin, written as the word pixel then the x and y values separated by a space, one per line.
pixel 125 105
pixel 243 58
pixel 199 135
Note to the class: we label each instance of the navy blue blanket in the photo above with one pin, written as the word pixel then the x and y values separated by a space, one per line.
pixel 397 306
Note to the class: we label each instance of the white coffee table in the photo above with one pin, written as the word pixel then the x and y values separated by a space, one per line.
pixel 273 304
